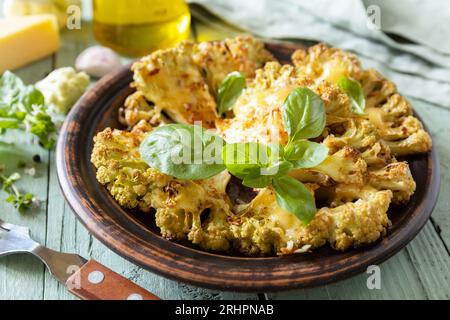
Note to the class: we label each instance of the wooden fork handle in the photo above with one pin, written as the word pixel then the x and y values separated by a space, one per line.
pixel 94 281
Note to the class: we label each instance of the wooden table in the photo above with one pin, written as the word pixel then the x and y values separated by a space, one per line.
pixel 420 271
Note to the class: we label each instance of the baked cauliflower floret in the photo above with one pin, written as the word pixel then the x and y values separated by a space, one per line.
pixel 249 53
pixel 137 108
pixel 418 142
pixel 361 222
pixel 396 177
pixel 258 111
pixel 218 58
pixel 337 103
pixel 174 83
pixel 183 81
pixel 344 166
pixel 180 205
pixel 360 134
pixel 263 228
pixel 392 115
pixel 322 63
pixel 376 88
pixel 398 128
pixel 378 155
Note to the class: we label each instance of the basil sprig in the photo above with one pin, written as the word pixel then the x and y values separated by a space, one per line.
pixel 229 91
pixel 303 114
pixel 355 92
pixel 183 151
pixel 205 154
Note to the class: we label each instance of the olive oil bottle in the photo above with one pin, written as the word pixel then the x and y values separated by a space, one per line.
pixel 138 27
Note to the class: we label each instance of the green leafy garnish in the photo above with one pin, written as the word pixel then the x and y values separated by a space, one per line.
pixel 256 164
pixel 303 115
pixel 293 196
pixel 229 91
pixel 354 91
pixel 20 201
pixel 183 151
pixel 22 107
pixel 306 154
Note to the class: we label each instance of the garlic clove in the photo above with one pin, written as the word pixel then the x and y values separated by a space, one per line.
pixel 97 61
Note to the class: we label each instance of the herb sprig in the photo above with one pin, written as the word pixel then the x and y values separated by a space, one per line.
pixel 23 107
pixel 20 201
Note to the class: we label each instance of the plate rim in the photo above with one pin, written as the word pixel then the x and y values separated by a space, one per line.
pixel 83 213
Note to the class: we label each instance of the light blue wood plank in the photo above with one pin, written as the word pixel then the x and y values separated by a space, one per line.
pixel 21 277
pixel 420 271
pixel 438 121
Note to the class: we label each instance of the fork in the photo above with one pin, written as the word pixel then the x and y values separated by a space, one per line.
pixel 88 280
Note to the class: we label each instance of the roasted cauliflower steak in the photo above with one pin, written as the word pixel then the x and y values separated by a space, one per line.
pixel 354 186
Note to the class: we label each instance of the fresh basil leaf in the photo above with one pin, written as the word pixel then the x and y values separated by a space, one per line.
pixel 303 114
pixel 255 180
pixel 183 151
pixel 293 196
pixel 277 169
pixel 242 159
pixel 306 154
pixel 229 91
pixel 355 92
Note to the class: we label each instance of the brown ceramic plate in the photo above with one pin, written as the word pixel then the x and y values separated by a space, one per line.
pixel 135 237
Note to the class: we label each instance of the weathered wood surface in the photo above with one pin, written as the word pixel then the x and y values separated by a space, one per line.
pixel 420 271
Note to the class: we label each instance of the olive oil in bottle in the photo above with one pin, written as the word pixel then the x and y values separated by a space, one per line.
pixel 138 27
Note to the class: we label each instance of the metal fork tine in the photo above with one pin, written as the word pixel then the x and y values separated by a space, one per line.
pixel 11 227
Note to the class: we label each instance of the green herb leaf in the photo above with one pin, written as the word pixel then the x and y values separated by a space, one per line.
pixel 23 107
pixel 255 180
pixel 303 114
pixel 242 159
pixel 251 158
pixel 20 201
pixel 229 91
pixel 294 197
pixel 354 91
pixel 183 151
pixel 306 154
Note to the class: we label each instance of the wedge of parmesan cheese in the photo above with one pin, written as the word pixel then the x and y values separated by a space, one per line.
pixel 26 39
